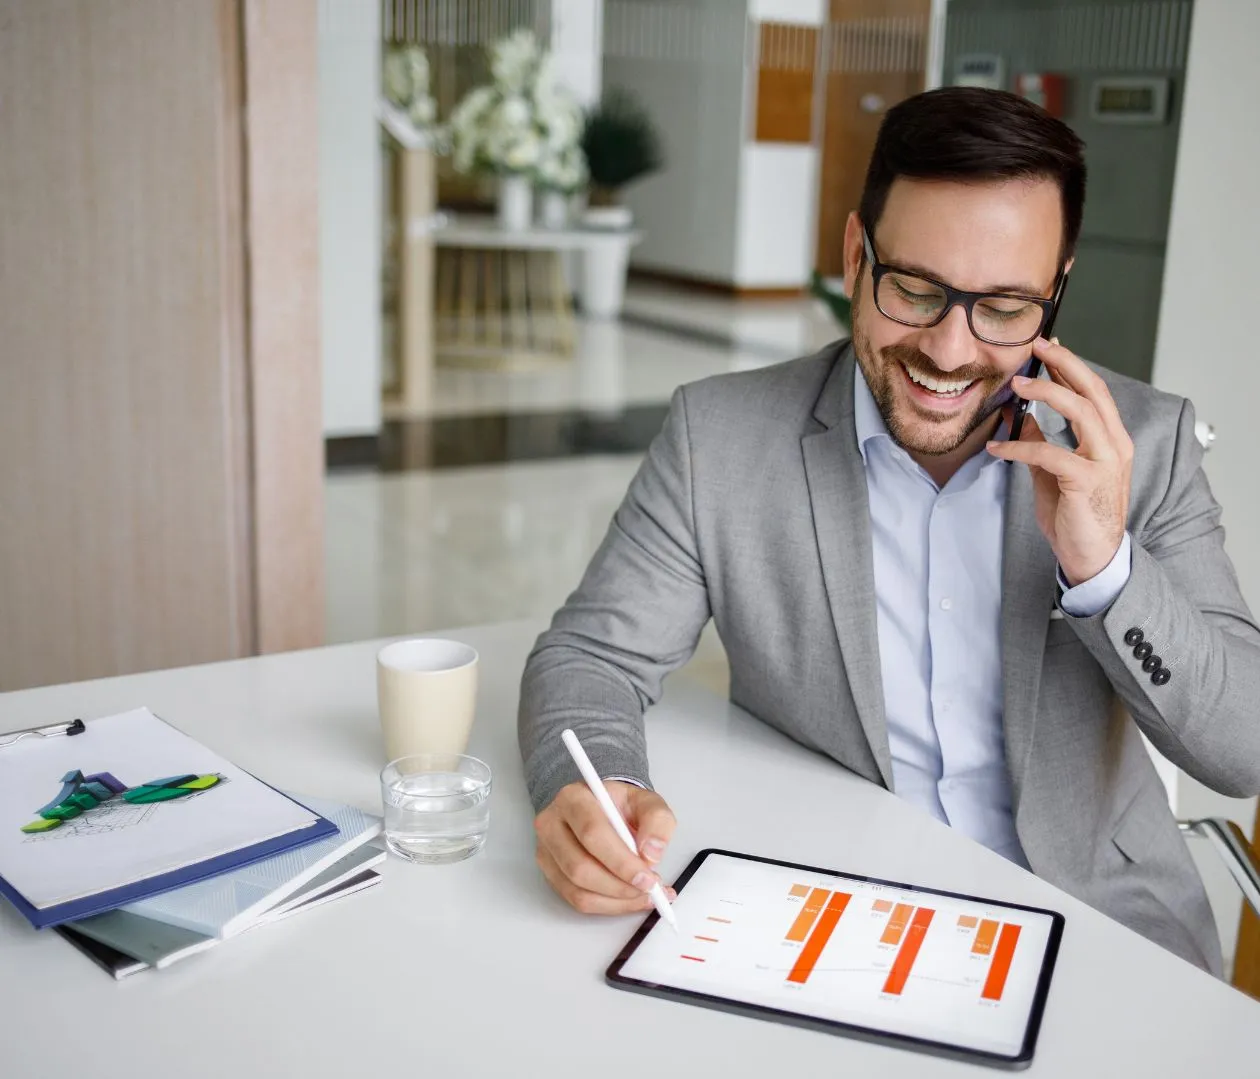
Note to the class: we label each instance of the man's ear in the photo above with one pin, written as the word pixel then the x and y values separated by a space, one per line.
pixel 854 252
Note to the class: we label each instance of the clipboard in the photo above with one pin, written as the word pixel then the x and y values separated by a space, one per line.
pixel 162 839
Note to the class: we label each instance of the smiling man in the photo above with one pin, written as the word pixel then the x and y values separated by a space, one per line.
pixel 982 626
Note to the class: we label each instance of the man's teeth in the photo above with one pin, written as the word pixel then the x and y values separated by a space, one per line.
pixel 945 389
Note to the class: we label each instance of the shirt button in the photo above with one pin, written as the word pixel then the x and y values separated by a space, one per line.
pixel 947 604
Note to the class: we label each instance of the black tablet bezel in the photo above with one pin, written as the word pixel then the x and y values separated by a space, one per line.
pixel 1020 1060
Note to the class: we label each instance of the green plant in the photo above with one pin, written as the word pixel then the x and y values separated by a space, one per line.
pixel 838 303
pixel 620 142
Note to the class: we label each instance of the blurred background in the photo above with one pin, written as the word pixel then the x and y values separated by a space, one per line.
pixel 323 320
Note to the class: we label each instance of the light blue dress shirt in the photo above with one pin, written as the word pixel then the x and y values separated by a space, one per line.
pixel 938 591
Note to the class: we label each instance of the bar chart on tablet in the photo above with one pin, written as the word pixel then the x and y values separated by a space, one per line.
pixel 851 950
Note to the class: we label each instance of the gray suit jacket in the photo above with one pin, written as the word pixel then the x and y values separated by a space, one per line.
pixel 751 507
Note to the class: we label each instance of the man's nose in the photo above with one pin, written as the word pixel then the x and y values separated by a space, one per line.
pixel 950 342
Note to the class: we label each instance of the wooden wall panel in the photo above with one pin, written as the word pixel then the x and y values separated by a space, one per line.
pixel 161 452
pixel 785 82
pixel 120 529
pixel 282 154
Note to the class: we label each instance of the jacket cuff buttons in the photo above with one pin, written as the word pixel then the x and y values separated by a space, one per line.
pixel 1144 653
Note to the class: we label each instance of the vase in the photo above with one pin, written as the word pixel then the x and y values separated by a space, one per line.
pixel 515 203
pixel 553 209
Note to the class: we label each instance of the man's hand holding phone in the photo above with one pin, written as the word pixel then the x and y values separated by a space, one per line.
pixel 586 862
pixel 1082 496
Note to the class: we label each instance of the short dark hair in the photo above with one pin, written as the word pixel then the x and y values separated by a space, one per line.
pixel 967 134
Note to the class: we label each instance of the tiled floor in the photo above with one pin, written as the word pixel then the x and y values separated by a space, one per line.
pixel 427 548
pixel 421 551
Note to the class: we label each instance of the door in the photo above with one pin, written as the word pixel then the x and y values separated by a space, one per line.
pixel 875 55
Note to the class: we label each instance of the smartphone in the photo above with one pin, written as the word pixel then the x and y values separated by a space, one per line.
pixel 1032 369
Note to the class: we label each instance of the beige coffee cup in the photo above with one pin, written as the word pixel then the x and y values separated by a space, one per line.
pixel 426 690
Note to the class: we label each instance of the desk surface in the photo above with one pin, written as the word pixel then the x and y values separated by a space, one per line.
pixel 478 969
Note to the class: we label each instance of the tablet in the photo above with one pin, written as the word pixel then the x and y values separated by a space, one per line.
pixel 949 974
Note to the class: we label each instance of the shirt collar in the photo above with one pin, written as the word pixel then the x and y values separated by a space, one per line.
pixel 866 418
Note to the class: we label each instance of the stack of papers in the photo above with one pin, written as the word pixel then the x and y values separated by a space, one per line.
pixel 144 846
pixel 175 925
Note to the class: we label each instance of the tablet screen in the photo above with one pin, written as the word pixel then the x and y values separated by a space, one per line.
pixel 886 959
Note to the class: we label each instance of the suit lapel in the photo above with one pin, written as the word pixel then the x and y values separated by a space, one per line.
pixel 1028 597
pixel 842 527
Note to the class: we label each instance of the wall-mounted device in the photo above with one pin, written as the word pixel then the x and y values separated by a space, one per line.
pixel 986 70
pixel 1128 100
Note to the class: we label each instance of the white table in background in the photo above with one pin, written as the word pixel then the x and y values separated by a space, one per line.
pixel 503 294
pixel 476 969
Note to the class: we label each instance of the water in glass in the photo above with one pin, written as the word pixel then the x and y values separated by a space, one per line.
pixel 436 816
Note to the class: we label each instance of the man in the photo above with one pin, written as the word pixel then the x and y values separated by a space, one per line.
pixel 983 626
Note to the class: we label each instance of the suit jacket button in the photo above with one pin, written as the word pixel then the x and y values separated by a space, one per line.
pixel 1151 664
pixel 1134 637
pixel 1143 651
pixel 1161 677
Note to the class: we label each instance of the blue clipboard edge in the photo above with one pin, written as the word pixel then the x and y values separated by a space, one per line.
pixel 165 882
pixel 114 898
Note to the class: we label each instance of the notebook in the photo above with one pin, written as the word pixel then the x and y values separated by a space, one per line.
pixel 154 943
pixel 225 905
pixel 94 816
pixel 122 965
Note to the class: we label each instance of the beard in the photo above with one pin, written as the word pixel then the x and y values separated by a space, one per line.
pixel 913 429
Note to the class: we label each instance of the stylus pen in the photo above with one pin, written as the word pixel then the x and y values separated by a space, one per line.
pixel 615 819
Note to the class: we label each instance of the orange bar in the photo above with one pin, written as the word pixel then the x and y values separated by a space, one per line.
pixel 724 921
pixel 884 905
pixel 909 951
pixel 800 891
pixel 818 939
pixel 1001 965
pixel 711 940
pixel 693 958
pixel 967 921
pixel 984 939
pixel 808 915
pixel 896 924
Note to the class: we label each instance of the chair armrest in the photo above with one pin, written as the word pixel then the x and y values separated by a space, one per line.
pixel 1230 842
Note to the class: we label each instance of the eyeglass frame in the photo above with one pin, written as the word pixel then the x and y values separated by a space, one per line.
pixel 956 296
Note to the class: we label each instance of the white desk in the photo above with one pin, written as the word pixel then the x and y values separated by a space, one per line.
pixel 477 969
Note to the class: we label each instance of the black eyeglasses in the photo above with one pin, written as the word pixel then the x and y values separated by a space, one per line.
pixel 995 318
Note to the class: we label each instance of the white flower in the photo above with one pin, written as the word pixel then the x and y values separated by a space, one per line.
pixel 513 61
pixel 514 112
pixel 405 78
pixel 522 153
pixel 397 78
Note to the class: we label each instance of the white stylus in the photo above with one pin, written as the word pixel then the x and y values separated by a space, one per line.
pixel 615 819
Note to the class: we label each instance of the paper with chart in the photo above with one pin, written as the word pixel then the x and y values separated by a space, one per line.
pixel 129 799
pixel 913 963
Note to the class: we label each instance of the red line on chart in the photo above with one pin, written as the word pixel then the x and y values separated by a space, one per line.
pixel 904 962
pixel 693 958
pixel 1001 964
pixel 819 937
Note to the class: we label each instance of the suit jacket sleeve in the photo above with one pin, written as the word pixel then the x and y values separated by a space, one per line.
pixel 636 616
pixel 1183 595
